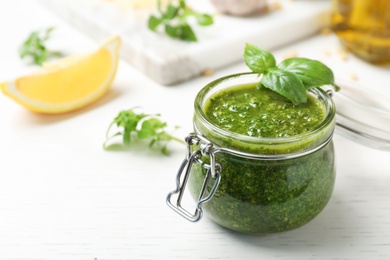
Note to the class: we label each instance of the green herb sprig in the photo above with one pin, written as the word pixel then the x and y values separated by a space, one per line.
pixel 34 46
pixel 133 125
pixel 174 20
pixel 292 77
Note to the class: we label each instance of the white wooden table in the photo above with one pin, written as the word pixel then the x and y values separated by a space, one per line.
pixel 63 197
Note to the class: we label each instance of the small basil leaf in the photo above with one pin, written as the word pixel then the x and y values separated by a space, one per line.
pixel 286 84
pixel 205 19
pixel 181 31
pixel 258 60
pixel 171 12
pixel 153 22
pixel 187 33
pixel 182 4
pixel 312 73
pixel 171 31
pixel 175 16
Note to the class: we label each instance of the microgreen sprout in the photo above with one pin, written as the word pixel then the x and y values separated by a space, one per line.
pixel 133 125
pixel 35 48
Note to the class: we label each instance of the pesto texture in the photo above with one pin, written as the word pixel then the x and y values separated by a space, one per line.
pixel 261 112
pixel 269 196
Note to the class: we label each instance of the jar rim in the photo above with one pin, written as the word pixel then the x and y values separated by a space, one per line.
pixel 204 93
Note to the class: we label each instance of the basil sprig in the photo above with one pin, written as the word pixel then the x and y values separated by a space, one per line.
pixel 174 20
pixel 292 77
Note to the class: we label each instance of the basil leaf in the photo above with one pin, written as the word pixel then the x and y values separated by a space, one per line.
pixel 154 22
pixel 182 4
pixel 258 60
pixel 171 12
pixel 186 33
pixel 205 19
pixel 171 31
pixel 286 84
pixel 312 73
pixel 175 19
pixel 181 31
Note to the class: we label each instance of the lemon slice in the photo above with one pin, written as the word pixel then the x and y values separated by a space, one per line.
pixel 68 84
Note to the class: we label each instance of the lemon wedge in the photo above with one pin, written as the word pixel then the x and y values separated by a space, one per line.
pixel 68 84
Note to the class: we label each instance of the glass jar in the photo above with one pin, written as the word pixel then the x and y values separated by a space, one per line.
pixel 256 185
pixel 363 27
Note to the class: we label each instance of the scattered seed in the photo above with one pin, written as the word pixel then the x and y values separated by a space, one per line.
pixel 207 72
pixel 272 6
pixel 276 5
pixel 326 53
pixel 290 54
pixel 343 54
pixel 353 76
pixel 325 31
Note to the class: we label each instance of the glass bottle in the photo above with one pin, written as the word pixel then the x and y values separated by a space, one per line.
pixel 363 26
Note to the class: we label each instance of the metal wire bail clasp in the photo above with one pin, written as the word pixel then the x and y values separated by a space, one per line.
pixel 213 172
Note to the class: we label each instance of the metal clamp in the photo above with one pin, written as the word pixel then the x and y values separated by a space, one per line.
pixel 213 172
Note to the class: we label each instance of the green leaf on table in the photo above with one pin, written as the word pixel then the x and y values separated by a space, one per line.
pixel 135 125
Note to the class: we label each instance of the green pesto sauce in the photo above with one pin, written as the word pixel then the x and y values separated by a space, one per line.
pixel 265 196
pixel 260 112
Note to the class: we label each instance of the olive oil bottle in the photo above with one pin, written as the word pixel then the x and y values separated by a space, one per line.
pixel 363 26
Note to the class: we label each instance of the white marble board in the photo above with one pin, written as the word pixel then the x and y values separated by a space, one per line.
pixel 169 61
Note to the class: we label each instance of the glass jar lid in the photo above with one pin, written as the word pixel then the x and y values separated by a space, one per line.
pixel 362 116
